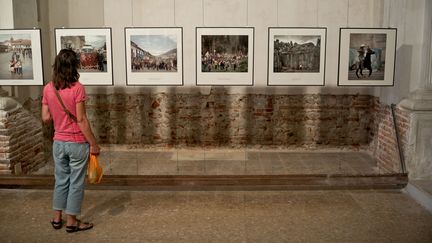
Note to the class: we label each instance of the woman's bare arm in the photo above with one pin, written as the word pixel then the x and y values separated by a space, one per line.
pixel 84 125
pixel 46 115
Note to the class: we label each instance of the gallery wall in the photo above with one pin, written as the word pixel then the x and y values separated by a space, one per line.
pixel 405 15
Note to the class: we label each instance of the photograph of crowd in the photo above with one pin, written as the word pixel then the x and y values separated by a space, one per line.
pixel 91 51
pixel 153 53
pixel 296 53
pixel 224 53
pixel 367 56
pixel 16 60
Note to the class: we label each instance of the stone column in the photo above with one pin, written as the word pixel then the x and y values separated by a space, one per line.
pixel 419 103
pixel 21 139
pixel 7 107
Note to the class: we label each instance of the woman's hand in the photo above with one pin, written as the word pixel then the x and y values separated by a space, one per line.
pixel 94 149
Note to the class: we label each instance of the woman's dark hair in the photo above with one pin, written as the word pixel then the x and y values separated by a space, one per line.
pixel 65 71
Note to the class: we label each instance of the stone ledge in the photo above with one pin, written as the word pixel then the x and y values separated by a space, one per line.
pixel 223 182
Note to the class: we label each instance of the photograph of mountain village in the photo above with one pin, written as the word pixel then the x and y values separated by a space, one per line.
pixel 153 53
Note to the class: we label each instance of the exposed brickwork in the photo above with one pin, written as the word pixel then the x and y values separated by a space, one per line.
pixel 383 137
pixel 217 119
pixel 21 140
pixel 34 107
pixel 221 119
pixel 236 120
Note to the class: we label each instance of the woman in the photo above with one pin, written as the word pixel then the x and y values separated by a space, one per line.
pixel 361 53
pixel 73 140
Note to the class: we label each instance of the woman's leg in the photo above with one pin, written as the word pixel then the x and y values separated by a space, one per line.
pixel 61 174
pixel 78 154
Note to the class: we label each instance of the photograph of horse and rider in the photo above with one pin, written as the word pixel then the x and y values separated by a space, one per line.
pixel 367 56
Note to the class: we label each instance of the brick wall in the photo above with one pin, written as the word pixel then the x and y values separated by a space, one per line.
pixel 217 120
pixel 236 120
pixel 21 139
pixel 383 137
pixel 221 119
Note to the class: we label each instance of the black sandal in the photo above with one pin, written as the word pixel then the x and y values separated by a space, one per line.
pixel 76 228
pixel 56 225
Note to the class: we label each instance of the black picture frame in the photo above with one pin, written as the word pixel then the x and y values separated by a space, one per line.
pixel 154 69
pixel 22 56
pixel 291 66
pixel 234 72
pixel 376 48
pixel 98 57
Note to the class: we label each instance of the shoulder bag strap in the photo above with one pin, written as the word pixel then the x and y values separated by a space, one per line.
pixel 71 116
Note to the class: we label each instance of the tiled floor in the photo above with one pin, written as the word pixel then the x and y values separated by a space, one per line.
pixel 117 160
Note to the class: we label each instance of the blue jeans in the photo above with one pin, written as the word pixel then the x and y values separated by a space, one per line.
pixel 70 160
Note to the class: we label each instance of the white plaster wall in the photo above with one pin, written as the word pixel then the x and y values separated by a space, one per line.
pixel 6 14
pixel 189 15
pixel 366 13
pixel 426 47
pixel 413 36
pixel 118 15
pixel 408 17
pixel 262 15
pixel 85 13
pixel 297 13
pixel 152 13
pixel 24 14
pixel 333 18
pixel 225 13
pixel 46 37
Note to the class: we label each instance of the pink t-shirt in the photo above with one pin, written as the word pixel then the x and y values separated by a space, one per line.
pixel 65 128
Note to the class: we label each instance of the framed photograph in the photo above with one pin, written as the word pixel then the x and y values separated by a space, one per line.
pixel 94 51
pixel 367 57
pixel 154 56
pixel 21 57
pixel 296 56
pixel 224 56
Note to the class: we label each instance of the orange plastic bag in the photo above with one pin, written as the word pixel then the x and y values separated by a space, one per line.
pixel 94 170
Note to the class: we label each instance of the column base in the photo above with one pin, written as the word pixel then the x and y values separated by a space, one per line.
pixel 419 100
pixel 418 155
